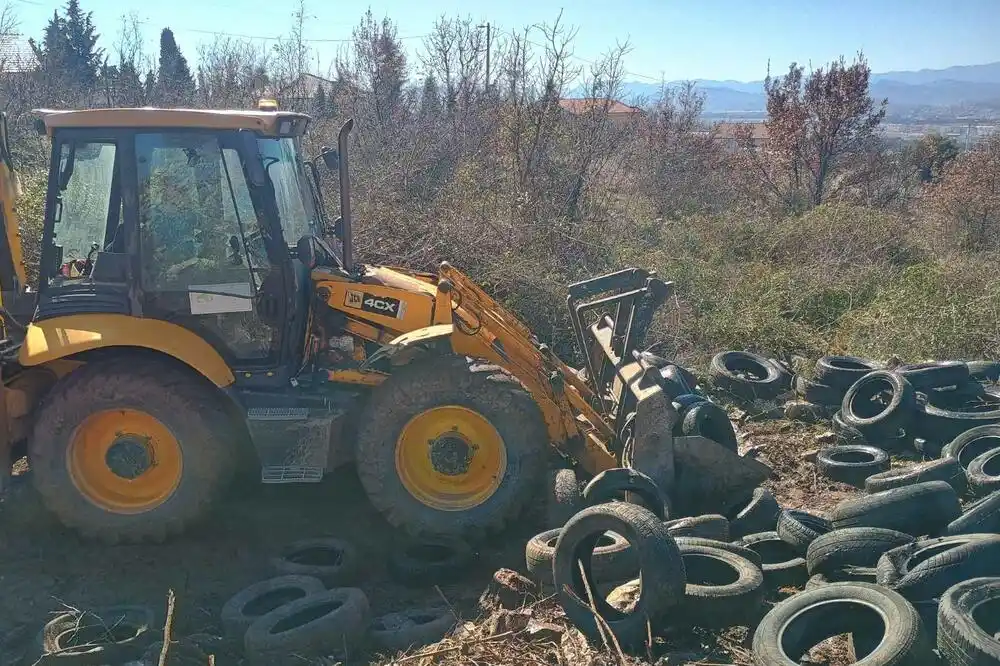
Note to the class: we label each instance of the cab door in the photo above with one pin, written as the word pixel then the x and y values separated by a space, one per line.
pixel 207 261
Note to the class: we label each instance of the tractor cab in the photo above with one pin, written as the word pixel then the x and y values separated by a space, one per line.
pixel 197 218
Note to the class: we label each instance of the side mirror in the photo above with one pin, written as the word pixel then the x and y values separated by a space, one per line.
pixel 251 158
pixel 305 250
pixel 331 158
pixel 338 227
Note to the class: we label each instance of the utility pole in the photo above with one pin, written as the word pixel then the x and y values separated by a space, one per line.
pixel 488 35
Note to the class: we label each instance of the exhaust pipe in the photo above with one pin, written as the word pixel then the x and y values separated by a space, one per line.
pixel 347 235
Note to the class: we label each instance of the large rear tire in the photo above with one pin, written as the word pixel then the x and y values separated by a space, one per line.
pixel 130 449
pixel 449 446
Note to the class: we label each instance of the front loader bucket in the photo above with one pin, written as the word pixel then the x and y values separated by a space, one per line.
pixel 709 478
pixel 634 391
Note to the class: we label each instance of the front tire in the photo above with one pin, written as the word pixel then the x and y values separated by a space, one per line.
pixel 129 449
pixel 452 447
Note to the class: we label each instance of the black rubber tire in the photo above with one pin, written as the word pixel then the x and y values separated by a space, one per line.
pixel 936 374
pixel 429 560
pixel 930 579
pixel 564 497
pixel 923 508
pixel 662 363
pixel 949 424
pixel 334 561
pixel 760 514
pixel 867 612
pixel 956 397
pixel 984 473
pixel 709 526
pixel 817 393
pixel 729 371
pixel 982 516
pixel 781 564
pixel 250 603
pixel 614 560
pixel 845 434
pixel 451 380
pixel 849 575
pixel 840 372
pixel 410 628
pixel 851 463
pixel 799 528
pixel 660 564
pixel 109 635
pixel 852 547
pixel 611 484
pixel 186 404
pixel 972 443
pixel 984 370
pixel 968 623
pixel 930 449
pixel 733 548
pixel 898 562
pixel 710 421
pixel 317 625
pixel 943 469
pixel 882 420
pixel 900 442
pixel 683 403
pixel 712 599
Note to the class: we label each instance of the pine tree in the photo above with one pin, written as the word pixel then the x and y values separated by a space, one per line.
pixel 85 57
pixel 320 103
pixel 381 62
pixel 68 56
pixel 53 53
pixel 174 83
pixel 430 98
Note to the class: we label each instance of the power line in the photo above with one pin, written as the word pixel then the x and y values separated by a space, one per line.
pixel 272 38
pixel 593 63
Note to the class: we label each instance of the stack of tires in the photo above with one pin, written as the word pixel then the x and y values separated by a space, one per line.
pixel 918 406
pixel 904 570
pixel 697 414
pixel 310 608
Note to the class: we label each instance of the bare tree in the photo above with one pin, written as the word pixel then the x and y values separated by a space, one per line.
pixel 290 58
pixel 123 81
pixel 232 73
pixel 967 197
pixel 816 126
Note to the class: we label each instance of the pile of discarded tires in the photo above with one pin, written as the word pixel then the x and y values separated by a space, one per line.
pixel 697 414
pixel 918 406
pixel 309 609
pixel 905 572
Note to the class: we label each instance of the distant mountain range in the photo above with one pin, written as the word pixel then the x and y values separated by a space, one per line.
pixel 961 90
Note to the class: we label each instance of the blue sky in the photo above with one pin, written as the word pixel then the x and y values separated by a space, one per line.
pixel 714 39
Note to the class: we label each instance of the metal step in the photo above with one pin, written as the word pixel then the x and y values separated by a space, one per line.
pixel 292 443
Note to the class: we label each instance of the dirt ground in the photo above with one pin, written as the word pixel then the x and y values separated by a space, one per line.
pixel 45 568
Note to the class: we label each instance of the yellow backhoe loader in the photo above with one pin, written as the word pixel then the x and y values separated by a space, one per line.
pixel 193 301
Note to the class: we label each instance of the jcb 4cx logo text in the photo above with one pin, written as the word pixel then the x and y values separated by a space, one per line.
pixel 383 305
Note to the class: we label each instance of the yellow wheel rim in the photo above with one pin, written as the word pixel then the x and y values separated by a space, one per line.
pixel 450 458
pixel 124 460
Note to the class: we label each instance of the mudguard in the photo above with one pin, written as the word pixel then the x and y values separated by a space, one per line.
pixel 59 337
pixel 400 350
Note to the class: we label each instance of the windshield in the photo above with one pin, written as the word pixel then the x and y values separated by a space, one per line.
pixel 299 216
